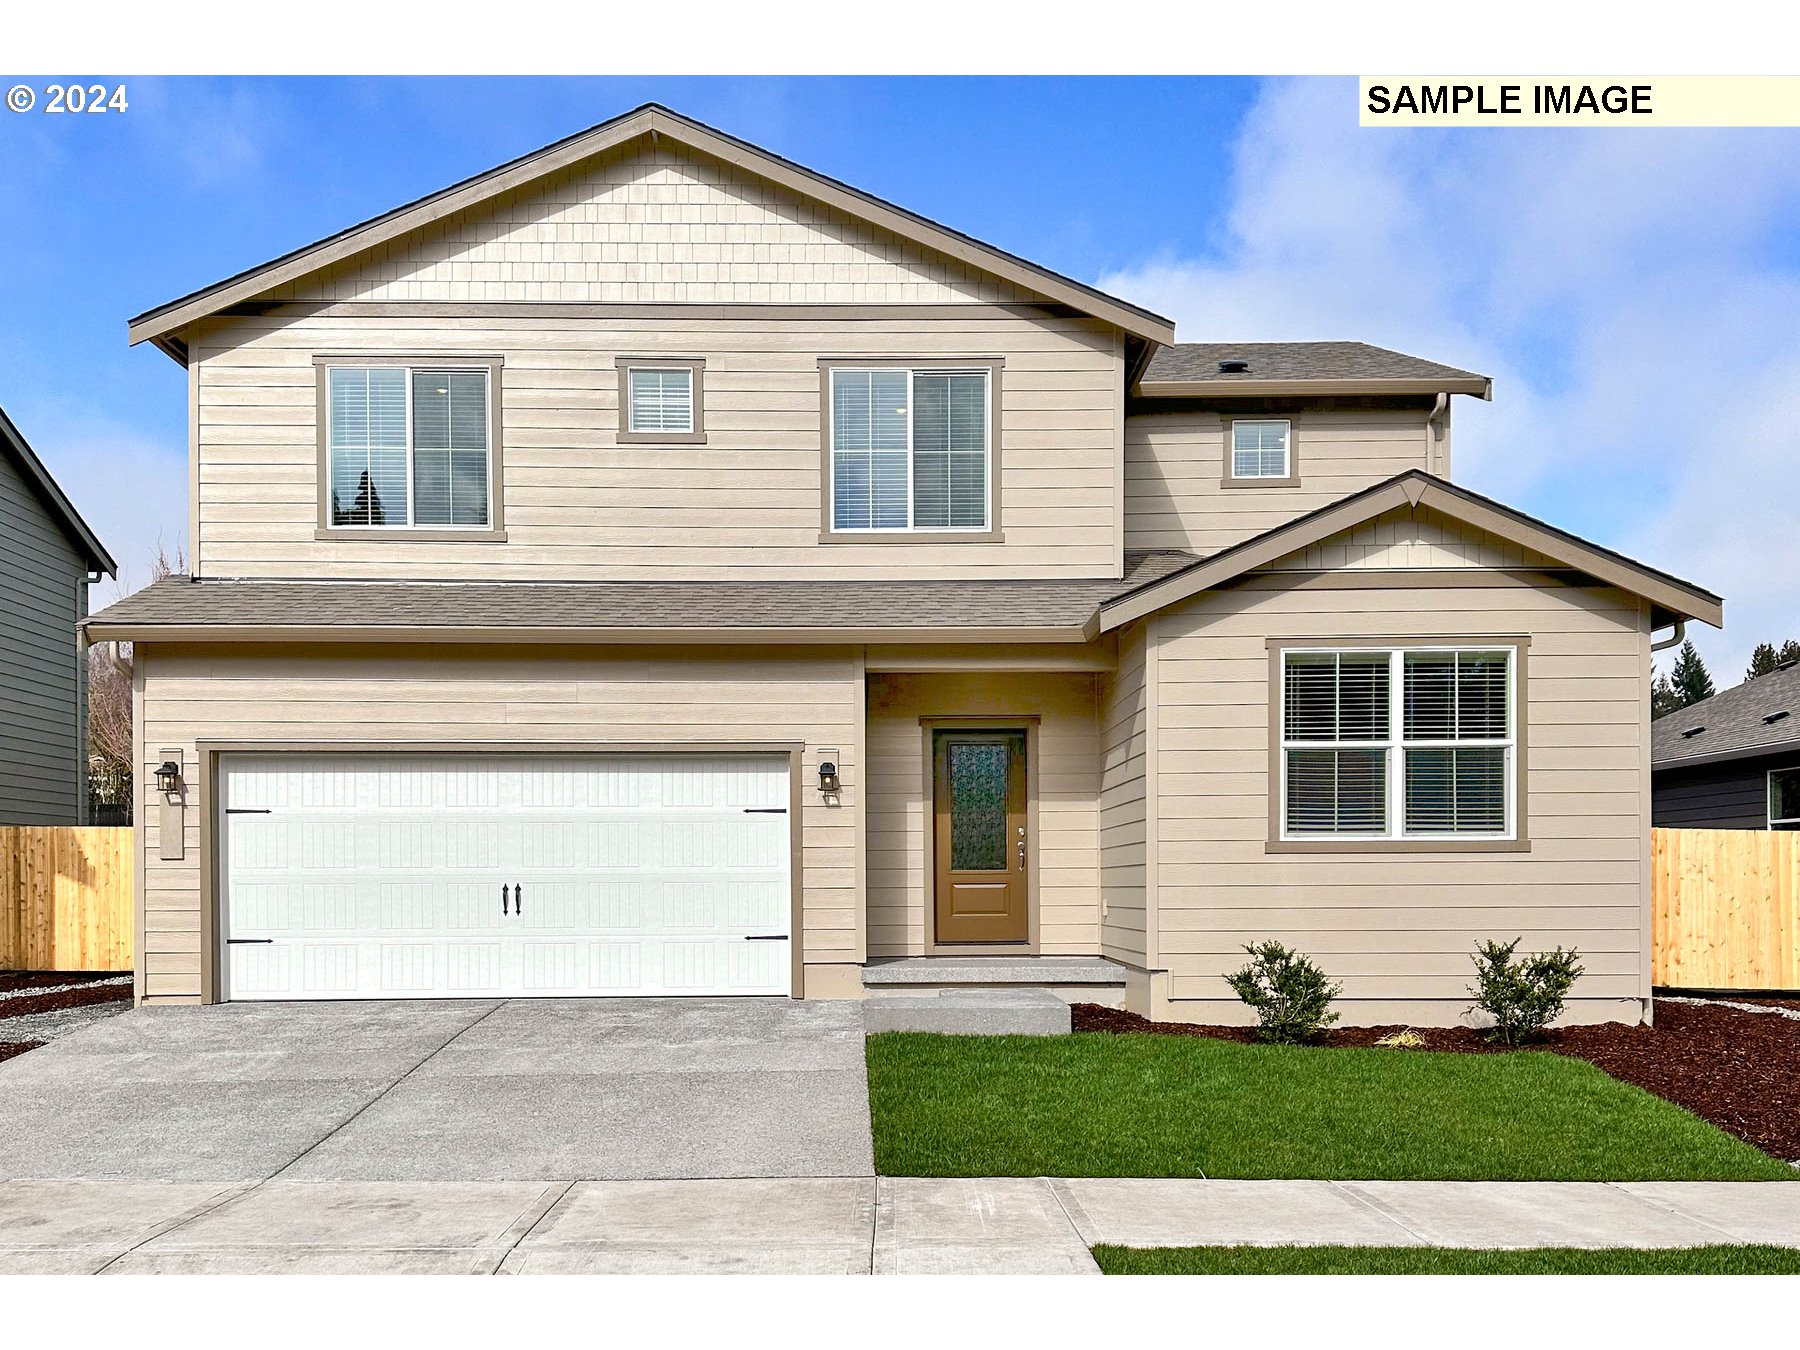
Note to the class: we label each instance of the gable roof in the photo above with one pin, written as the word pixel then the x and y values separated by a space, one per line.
pixel 1758 717
pixel 615 611
pixel 1191 369
pixel 162 324
pixel 74 528
pixel 1673 598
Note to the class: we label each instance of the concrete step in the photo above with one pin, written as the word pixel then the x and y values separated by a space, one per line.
pixel 970 1012
pixel 990 970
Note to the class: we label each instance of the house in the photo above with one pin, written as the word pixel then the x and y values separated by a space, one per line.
pixel 1732 762
pixel 48 556
pixel 652 567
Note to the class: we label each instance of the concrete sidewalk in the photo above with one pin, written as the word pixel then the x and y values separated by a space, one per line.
pixel 828 1225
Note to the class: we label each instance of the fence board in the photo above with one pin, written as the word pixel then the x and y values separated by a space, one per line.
pixel 65 897
pixel 1726 909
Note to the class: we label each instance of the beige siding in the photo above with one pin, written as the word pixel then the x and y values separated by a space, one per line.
pixel 1397 928
pixel 1174 463
pixel 1404 539
pixel 1124 760
pixel 578 505
pixel 553 697
pixel 654 225
pixel 1066 774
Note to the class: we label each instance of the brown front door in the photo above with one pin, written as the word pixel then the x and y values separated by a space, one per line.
pixel 978 836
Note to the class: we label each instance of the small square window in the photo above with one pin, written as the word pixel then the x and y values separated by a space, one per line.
pixel 660 400
pixel 1262 450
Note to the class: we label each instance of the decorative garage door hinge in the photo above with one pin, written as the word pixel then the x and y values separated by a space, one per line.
pixel 765 810
pixel 247 811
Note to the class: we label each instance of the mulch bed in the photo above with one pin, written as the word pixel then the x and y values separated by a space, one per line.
pixel 1739 1070
pixel 9 1049
pixel 92 991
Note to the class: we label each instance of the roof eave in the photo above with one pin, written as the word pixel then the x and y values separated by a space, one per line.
pixel 1477 385
pixel 1726 756
pixel 170 318
pixel 1416 488
pixel 86 541
pixel 100 629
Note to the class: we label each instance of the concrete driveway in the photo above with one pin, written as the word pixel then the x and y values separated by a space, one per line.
pixel 514 1090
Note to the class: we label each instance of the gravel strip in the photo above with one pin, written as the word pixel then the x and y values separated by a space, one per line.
pixel 34 991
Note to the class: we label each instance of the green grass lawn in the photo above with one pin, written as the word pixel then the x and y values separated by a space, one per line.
pixel 1166 1106
pixel 1444 1261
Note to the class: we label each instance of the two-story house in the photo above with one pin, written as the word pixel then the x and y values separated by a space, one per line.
pixel 652 567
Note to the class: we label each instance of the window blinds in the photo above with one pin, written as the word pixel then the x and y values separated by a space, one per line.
pixel 909 449
pixel 367 443
pixel 869 449
pixel 450 447
pixel 662 401
pixel 1259 449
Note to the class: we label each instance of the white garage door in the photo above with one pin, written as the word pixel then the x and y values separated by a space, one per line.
pixel 453 876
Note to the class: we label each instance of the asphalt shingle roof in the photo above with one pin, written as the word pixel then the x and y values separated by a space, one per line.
pixel 1735 722
pixel 178 602
pixel 1190 361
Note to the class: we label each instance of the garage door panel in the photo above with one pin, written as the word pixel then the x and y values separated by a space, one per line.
pixel 370 876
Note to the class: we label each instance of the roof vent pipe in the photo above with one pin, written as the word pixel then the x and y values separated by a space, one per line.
pixel 1233 365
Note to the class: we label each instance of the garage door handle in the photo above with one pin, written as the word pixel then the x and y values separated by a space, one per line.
pixel 505 891
pixel 248 942
pixel 765 937
pixel 518 899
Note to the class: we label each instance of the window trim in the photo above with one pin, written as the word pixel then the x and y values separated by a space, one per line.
pixel 1228 479
pixel 696 365
pixel 1518 840
pixel 1785 822
pixel 494 532
pixel 993 534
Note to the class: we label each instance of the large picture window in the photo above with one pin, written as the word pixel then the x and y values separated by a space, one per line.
pixel 910 449
pixel 1415 743
pixel 409 446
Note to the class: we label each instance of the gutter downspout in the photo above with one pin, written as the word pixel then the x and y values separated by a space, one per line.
pixel 1434 431
pixel 1674 639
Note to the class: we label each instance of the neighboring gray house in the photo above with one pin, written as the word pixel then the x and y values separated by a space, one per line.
pixel 1731 762
pixel 47 557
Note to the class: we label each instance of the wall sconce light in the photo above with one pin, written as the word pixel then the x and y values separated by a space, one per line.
pixel 828 776
pixel 168 776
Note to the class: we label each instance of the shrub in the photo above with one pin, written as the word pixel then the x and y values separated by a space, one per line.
pixel 1524 996
pixel 1289 992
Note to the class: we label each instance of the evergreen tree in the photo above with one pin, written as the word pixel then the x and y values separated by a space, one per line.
pixel 1662 697
pixel 1762 661
pixel 1790 651
pixel 1690 679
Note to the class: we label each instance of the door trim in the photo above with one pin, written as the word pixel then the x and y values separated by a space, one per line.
pixel 211 808
pixel 928 727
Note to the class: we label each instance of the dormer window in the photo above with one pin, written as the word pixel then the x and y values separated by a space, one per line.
pixel 1260 452
pixel 660 401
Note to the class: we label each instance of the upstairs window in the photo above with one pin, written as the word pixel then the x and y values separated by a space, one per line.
pixel 1407 744
pixel 662 400
pixel 409 446
pixel 1262 449
pixel 910 450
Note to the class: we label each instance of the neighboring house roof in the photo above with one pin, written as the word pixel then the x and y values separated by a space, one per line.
pixel 759 611
pixel 1760 716
pixel 86 542
pixel 1192 369
pixel 162 324
pixel 1673 598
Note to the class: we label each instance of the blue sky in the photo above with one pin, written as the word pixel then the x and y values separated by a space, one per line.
pixel 1631 291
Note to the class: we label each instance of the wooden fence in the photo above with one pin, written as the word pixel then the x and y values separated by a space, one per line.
pixel 65 897
pixel 1726 912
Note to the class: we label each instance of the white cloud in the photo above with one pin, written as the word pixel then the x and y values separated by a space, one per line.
pixel 1625 289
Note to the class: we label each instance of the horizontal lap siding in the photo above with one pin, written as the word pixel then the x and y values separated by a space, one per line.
pixel 549 697
pixel 578 505
pixel 1729 796
pixel 1067 892
pixel 1174 463
pixel 43 592
pixel 1124 757
pixel 1395 927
